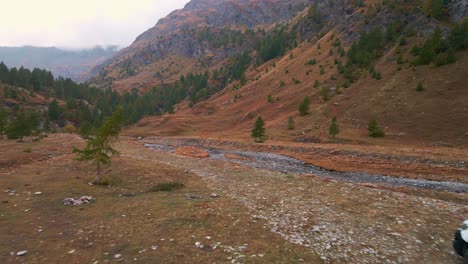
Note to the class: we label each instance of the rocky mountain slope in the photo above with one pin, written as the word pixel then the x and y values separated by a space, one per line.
pixel 354 59
pixel 191 40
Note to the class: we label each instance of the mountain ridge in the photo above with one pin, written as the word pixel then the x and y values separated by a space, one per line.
pixel 326 50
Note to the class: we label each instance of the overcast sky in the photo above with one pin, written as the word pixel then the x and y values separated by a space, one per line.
pixel 79 23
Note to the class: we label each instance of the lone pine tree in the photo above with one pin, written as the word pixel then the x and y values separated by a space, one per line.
pixel 334 129
pixel 374 129
pixel 99 150
pixel 291 124
pixel 304 106
pixel 258 132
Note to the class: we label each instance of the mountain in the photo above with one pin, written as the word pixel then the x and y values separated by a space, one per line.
pixel 75 64
pixel 191 40
pixel 223 63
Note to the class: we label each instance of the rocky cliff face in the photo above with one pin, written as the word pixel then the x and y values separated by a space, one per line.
pixel 206 32
pixel 180 33
pixel 457 9
pixel 220 13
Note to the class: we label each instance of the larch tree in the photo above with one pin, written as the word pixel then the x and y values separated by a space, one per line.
pixel 100 149
pixel 304 106
pixel 374 129
pixel 258 132
pixel 334 129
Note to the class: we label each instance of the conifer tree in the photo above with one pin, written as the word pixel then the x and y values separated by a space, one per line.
pixel 22 125
pixel 433 8
pixel 304 106
pixel 334 129
pixel 54 111
pixel 374 129
pixel 99 150
pixel 258 132
pixel 291 124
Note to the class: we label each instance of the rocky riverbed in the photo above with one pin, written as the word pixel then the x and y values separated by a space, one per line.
pixel 288 165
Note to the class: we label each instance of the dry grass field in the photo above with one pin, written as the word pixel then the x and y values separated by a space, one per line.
pixel 126 218
pixel 261 216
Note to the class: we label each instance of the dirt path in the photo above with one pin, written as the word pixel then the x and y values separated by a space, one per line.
pixel 283 164
pixel 343 222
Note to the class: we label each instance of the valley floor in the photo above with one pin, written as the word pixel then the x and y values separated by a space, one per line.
pixel 261 216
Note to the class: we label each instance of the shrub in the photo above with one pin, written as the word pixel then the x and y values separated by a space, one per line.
pixel 316 84
pixel 291 124
pixel 270 99
pixel 324 94
pixel 403 41
pixel 70 129
pixel 334 129
pixel 374 129
pixel 304 106
pixel 420 87
pixel 166 187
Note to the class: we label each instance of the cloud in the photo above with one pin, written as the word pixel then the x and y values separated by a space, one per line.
pixel 82 23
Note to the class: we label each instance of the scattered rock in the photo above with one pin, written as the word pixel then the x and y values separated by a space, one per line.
pixel 38 193
pixel 237 157
pixel 71 251
pixel 78 201
pixel 214 195
pixel 126 195
pixel 21 253
pixel 199 245
pixel 192 197
pixel 117 256
pixel 154 248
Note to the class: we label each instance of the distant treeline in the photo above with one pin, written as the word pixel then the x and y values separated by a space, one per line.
pixel 84 107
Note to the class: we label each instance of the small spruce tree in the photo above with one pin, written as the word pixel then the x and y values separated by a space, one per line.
pixel 54 111
pixel 99 150
pixel 374 129
pixel 304 106
pixel 334 129
pixel 258 132
pixel 316 84
pixel 433 8
pixel 291 124
pixel 420 87
pixel 23 125
pixel 270 99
